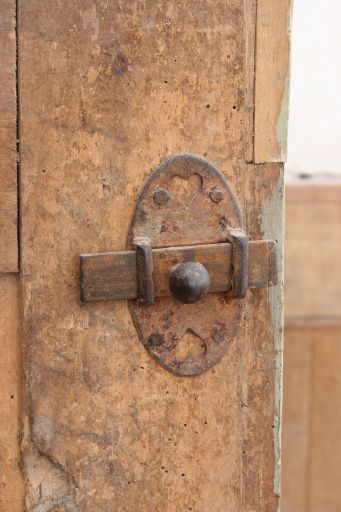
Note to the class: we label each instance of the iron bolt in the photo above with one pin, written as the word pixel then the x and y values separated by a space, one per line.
pixel 189 282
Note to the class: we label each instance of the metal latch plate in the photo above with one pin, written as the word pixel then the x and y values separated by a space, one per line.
pixel 186 213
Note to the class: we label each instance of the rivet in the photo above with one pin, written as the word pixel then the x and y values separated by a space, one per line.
pixel 216 195
pixel 156 339
pixel 161 196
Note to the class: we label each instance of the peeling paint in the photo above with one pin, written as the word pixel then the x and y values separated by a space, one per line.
pixel 272 227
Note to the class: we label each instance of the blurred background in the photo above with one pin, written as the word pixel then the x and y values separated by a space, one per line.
pixel 311 438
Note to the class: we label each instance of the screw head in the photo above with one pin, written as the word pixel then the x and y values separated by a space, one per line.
pixel 156 339
pixel 161 196
pixel 189 282
pixel 216 195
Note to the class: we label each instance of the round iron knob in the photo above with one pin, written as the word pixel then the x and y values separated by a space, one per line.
pixel 189 282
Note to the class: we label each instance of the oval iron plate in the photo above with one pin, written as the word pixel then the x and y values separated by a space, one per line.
pixel 185 202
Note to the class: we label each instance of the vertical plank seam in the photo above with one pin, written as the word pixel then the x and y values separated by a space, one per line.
pixel 254 84
pixel 20 312
pixel 17 90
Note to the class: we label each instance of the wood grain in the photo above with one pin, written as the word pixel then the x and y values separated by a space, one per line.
pixel 311 419
pixel 8 136
pixel 261 364
pixel 325 440
pixel 272 80
pixel 298 403
pixel 250 9
pixel 12 488
pixel 313 241
pixel 130 84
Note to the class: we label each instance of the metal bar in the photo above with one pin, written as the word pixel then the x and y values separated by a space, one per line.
pixel 240 263
pixel 144 268
pixel 113 276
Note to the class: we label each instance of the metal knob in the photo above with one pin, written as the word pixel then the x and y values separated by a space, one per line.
pixel 189 282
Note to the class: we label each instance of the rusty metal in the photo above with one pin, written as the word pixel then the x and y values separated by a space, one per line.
pixel 113 275
pixel 161 196
pixel 240 263
pixel 189 217
pixel 186 239
pixel 144 268
pixel 189 282
pixel 216 195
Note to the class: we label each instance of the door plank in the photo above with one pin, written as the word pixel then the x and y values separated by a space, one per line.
pixel 8 139
pixel 12 488
pixel 112 89
pixel 272 80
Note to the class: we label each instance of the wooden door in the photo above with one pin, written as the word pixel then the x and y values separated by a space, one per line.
pixel 107 91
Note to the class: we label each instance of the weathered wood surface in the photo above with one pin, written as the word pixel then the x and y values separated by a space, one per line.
pixel 313 242
pixel 11 484
pixel 108 91
pixel 12 487
pixel 113 276
pixel 8 140
pixel 311 419
pixel 272 80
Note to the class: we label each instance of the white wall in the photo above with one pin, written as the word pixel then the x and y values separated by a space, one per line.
pixel 314 144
